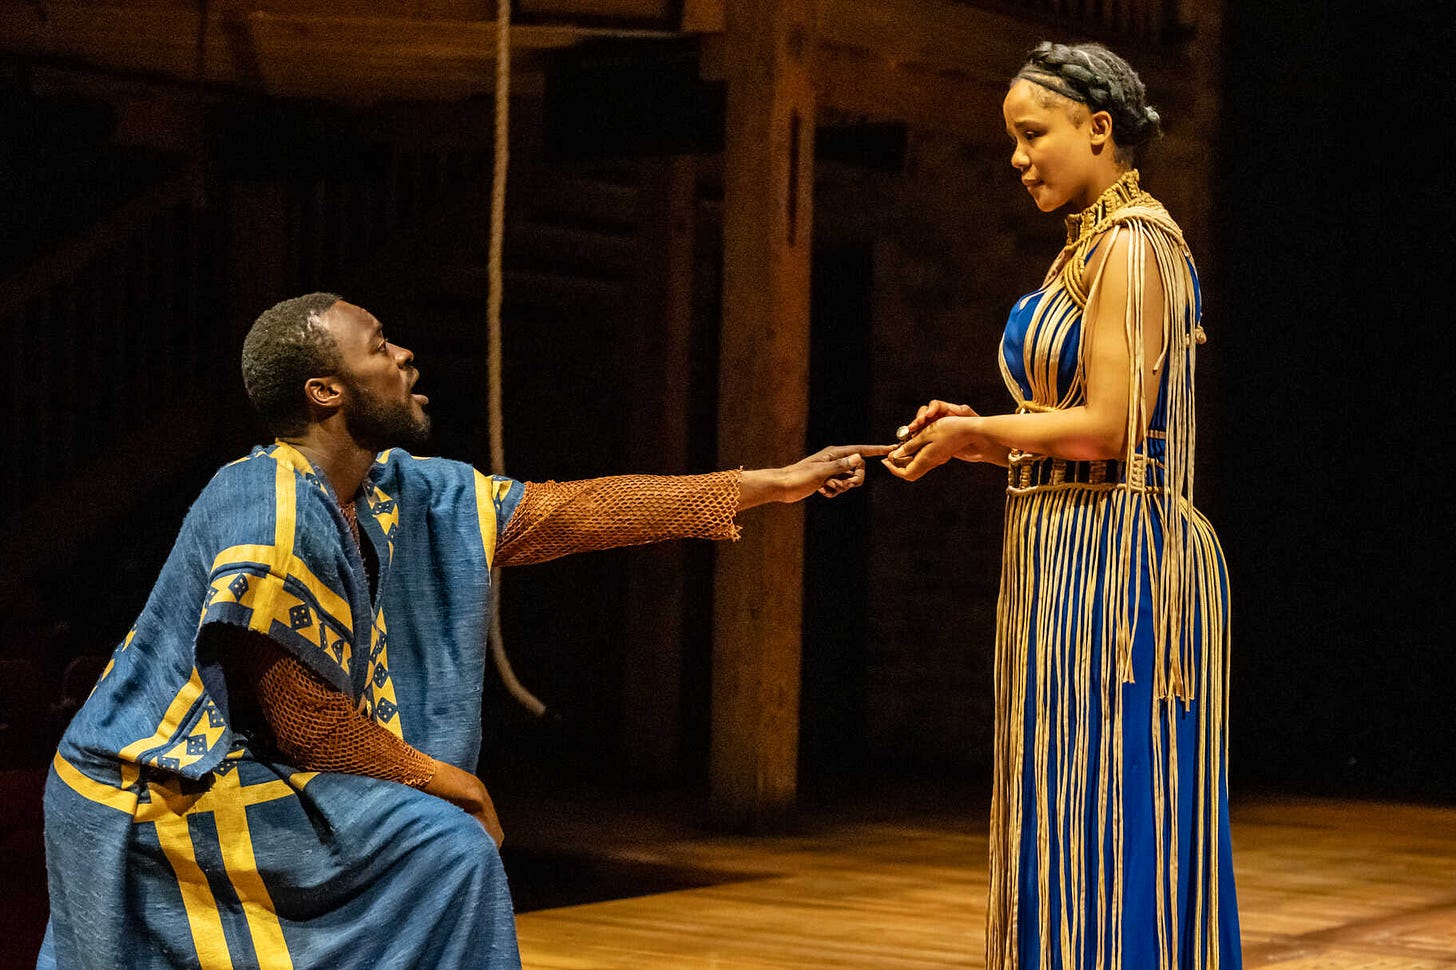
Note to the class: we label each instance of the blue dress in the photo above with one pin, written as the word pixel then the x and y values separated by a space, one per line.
pixel 1109 833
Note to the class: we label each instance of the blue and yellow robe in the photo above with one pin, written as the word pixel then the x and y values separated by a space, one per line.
pixel 171 843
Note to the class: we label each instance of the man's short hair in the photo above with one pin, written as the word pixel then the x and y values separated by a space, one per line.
pixel 287 345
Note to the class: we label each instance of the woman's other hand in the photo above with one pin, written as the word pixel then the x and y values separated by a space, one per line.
pixel 936 410
pixel 939 440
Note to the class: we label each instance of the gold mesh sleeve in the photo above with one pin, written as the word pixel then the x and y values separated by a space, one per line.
pixel 314 726
pixel 560 518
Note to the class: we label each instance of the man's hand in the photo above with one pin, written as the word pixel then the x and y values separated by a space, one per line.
pixel 467 792
pixel 830 472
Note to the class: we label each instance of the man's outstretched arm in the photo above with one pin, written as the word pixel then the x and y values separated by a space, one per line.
pixel 557 519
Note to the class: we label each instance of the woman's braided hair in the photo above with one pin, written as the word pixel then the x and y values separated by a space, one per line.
pixel 1092 75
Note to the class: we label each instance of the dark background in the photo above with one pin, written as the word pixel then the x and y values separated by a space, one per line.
pixel 1330 353
pixel 1324 419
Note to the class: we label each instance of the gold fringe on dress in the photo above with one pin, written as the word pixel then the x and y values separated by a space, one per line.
pixel 1072 542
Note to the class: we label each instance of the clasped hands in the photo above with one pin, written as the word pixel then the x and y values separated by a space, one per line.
pixel 941 431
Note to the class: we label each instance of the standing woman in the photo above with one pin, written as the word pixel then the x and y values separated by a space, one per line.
pixel 1109 821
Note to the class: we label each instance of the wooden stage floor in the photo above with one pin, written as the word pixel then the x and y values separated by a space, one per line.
pixel 1334 885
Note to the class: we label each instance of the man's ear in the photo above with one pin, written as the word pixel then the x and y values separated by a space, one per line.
pixel 1099 128
pixel 324 393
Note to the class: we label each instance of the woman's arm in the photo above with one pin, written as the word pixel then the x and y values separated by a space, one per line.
pixel 1094 430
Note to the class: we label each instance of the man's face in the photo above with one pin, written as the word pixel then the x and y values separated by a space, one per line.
pixel 380 411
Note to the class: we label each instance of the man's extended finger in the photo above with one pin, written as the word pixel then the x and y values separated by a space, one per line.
pixel 873 451
pixel 908 448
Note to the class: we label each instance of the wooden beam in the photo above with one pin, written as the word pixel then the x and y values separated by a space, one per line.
pixel 936 34
pixel 443 49
pixel 763 406
pixel 861 83
pixel 399 9
pixel 156 40
pixel 929 63
pixel 633 10
pixel 369 57
pixel 307 54
pixel 703 17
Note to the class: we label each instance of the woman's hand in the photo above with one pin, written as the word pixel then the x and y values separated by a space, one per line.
pixel 939 432
pixel 467 792
pixel 954 435
pixel 936 410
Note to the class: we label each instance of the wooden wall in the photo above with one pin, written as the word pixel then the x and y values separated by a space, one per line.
pixel 945 241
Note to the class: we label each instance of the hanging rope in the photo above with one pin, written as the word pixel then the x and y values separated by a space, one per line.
pixel 498 229
pixel 493 327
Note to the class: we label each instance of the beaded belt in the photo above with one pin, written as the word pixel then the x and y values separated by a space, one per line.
pixel 1028 472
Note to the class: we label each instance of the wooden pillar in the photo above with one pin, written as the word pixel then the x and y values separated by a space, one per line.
pixel 656 589
pixel 763 406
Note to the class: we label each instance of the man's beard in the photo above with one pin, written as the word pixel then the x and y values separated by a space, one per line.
pixel 379 424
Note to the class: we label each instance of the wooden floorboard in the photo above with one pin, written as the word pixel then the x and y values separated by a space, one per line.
pixel 1334 885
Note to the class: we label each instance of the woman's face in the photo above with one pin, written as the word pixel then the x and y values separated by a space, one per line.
pixel 1060 151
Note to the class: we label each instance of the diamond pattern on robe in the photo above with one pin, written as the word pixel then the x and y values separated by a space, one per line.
pixel 238 586
pixel 300 616
pixel 385 710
